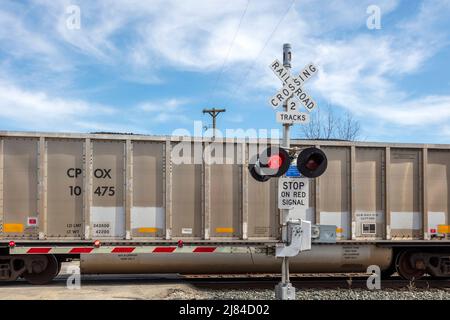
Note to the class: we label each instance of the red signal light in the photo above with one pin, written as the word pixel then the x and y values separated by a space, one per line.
pixel 272 162
pixel 12 244
pixel 275 161
pixel 311 164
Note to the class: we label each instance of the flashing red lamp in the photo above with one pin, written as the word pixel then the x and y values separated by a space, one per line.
pixel 273 162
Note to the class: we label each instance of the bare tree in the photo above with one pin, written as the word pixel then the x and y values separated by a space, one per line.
pixel 348 128
pixel 325 124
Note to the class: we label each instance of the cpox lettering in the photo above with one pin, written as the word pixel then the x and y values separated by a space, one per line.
pixel 102 173
pixel 74 172
pixel 98 173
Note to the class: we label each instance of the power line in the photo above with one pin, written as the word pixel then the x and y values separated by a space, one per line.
pixel 228 53
pixel 250 68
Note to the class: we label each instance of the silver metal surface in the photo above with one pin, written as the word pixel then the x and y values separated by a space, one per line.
pixel 371 181
pixel 349 257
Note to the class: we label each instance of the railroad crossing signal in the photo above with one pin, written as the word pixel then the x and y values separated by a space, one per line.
pixel 272 162
pixel 311 163
pixel 275 162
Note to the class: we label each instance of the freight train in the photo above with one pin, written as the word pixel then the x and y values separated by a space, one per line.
pixel 156 204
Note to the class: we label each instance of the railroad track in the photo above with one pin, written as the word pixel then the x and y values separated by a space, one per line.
pixel 233 282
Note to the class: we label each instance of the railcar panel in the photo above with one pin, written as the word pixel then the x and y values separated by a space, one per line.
pixel 107 210
pixel 65 188
pixel 368 189
pixel 187 191
pixel 406 201
pixel 147 210
pixel 20 188
pixel 225 191
pixel 438 189
pixel 334 193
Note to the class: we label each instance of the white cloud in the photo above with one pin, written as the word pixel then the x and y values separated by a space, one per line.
pixel 424 111
pixel 361 70
pixel 21 43
pixel 36 110
pixel 163 111
pixel 195 35
pixel 171 117
pixel 168 105
pixel 446 131
pixel 364 74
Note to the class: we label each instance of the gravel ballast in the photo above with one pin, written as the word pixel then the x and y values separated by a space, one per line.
pixel 323 294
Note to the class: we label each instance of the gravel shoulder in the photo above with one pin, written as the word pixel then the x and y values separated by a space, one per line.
pixel 337 294
pixel 181 291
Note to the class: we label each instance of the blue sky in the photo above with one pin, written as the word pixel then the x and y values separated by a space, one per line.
pixel 152 66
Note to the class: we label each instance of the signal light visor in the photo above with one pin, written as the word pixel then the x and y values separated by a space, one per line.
pixel 312 162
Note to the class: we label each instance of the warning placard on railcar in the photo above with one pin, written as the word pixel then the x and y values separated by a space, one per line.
pixel 293 192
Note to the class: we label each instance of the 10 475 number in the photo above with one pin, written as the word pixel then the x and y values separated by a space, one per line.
pixel 100 191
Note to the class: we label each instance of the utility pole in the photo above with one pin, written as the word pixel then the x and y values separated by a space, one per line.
pixel 214 113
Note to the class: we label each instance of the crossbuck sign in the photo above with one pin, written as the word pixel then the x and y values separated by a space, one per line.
pixel 292 87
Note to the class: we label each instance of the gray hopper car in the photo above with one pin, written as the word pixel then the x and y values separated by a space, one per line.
pixel 133 204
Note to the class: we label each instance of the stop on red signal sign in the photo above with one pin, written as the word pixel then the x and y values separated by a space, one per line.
pixel 293 192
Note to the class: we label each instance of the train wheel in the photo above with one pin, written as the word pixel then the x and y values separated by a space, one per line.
pixel 405 269
pixel 59 267
pixel 42 273
pixel 389 272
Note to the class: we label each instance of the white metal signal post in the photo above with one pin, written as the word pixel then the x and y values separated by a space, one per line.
pixel 285 282
pixel 296 235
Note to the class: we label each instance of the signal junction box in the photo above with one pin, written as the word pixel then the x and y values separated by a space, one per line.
pixel 296 235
